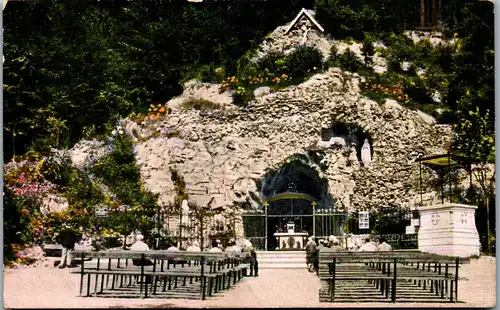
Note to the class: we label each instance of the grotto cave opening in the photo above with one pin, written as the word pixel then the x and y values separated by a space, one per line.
pixel 295 193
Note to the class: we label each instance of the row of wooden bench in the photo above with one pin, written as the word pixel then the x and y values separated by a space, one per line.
pixel 171 275
pixel 385 271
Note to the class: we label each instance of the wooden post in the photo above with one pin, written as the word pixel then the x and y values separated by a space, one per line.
pixel 81 273
pixel 333 279
pixel 394 281
pixel 456 279
pixel 142 274
pixel 202 278
pixel 314 219
pixel 266 230
pixel 96 277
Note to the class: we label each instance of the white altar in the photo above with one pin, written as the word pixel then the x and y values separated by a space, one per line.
pixel 448 229
pixel 291 239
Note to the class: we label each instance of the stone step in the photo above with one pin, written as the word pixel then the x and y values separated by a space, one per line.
pixel 282 259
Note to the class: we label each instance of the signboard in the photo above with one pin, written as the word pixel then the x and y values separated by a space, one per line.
pixel 101 211
pixel 364 220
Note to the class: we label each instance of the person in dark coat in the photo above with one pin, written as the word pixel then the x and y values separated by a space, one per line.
pixel 311 254
pixel 67 238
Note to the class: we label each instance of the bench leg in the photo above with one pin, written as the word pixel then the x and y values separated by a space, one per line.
pixel 88 285
pixel 387 285
pixel 332 289
pixel 95 285
pixel 102 283
pixel 146 280
pixel 451 290
pixel 442 289
pixel 204 287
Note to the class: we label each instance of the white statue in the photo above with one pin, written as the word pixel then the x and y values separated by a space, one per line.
pixel 366 155
pixel 185 212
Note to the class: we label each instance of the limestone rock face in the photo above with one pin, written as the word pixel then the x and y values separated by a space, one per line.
pixel 53 203
pixel 226 153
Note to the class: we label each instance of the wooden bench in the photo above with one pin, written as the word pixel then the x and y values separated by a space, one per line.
pixel 207 273
pixel 384 270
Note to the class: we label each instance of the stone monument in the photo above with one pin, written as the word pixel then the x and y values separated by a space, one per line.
pixel 448 229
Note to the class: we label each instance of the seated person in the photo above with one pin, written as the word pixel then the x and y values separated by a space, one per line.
pixel 194 247
pixel 384 246
pixel 140 246
pixel 368 246
pixel 232 247
pixel 173 248
pixel 215 248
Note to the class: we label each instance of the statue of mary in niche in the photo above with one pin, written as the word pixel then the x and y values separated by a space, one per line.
pixel 366 154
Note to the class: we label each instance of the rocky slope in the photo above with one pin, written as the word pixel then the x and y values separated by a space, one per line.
pixel 225 153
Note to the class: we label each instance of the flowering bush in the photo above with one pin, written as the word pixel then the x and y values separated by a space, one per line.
pixel 155 113
pixel 380 92
pixel 241 89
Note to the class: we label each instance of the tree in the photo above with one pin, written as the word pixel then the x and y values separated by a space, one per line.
pixel 475 138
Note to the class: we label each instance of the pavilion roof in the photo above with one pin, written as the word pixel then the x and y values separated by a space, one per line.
pixel 446 160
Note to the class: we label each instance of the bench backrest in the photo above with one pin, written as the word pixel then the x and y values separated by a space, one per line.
pixel 159 255
pixel 390 256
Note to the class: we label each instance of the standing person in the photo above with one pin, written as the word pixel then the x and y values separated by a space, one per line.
pixel 384 246
pixel 67 238
pixel 311 254
pixel 251 258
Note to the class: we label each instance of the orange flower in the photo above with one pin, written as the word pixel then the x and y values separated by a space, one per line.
pixel 283 76
pixel 151 116
pixel 162 109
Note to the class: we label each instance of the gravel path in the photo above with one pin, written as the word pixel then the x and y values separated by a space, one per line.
pixel 48 287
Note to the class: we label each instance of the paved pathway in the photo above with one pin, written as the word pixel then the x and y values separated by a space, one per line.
pixel 54 288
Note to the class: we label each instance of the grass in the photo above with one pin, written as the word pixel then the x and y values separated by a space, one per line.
pixel 200 105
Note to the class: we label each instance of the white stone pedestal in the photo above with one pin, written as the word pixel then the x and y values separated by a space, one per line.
pixel 448 229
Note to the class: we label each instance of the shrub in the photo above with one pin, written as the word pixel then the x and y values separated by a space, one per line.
pixel 303 61
pixel 273 63
pixel 368 51
pixel 200 105
pixel 347 60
